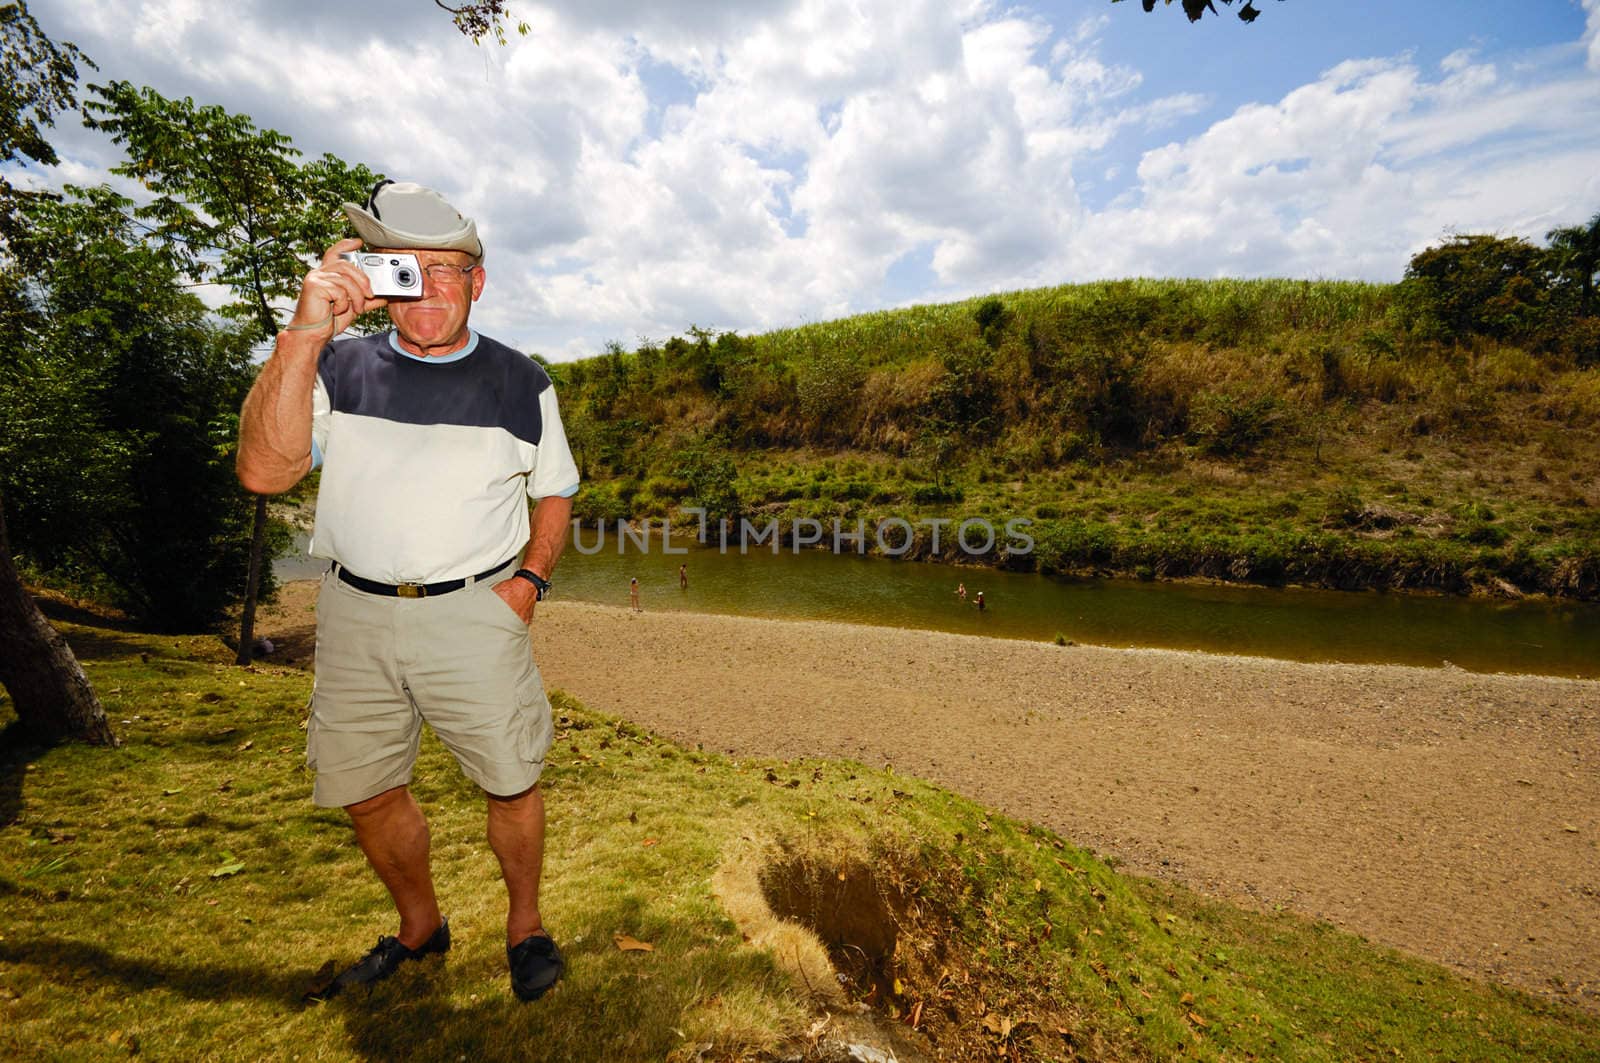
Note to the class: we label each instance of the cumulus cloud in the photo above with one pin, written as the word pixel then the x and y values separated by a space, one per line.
pixel 1351 174
pixel 1591 36
pixel 735 165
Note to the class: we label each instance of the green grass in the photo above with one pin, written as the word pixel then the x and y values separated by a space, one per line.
pixel 116 936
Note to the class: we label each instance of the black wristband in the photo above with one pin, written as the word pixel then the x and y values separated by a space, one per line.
pixel 540 584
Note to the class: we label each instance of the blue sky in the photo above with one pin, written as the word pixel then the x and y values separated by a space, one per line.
pixel 741 165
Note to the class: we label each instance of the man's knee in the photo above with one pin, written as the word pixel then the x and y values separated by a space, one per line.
pixel 513 802
pixel 379 804
pixel 512 807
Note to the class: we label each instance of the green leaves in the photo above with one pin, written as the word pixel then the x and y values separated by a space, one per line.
pixel 39 78
pixel 1196 9
pixel 233 204
pixel 231 865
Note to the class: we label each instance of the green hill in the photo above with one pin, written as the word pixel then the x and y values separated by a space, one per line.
pixel 1316 432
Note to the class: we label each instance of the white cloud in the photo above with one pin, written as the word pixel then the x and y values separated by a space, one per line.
pixel 1591 36
pixel 636 169
pixel 1350 175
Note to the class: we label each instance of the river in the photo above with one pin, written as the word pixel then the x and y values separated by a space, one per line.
pixel 1477 634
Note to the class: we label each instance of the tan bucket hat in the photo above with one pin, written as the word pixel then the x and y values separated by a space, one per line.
pixel 404 215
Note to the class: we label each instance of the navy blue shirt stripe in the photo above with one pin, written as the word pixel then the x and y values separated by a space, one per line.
pixel 494 387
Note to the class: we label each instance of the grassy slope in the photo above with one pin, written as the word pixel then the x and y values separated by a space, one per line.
pixel 1267 431
pixel 116 938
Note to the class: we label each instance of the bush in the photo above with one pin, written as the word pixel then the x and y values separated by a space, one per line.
pixel 1228 422
pixel 930 494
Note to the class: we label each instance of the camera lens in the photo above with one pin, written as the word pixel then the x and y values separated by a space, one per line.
pixel 405 277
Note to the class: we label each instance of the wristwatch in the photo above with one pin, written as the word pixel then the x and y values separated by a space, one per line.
pixel 540 584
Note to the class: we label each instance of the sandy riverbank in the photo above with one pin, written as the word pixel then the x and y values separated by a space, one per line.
pixel 1450 814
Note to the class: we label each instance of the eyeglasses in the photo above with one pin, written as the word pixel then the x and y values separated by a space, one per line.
pixel 445 273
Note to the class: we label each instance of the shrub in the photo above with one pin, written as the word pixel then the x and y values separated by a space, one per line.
pixel 1228 422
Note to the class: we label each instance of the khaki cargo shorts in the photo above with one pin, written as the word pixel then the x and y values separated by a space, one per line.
pixel 461 661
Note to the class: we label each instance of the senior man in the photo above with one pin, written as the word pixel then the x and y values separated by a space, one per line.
pixel 431 440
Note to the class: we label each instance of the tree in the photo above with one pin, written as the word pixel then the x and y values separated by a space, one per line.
pixel 235 207
pixel 40 79
pixel 1196 9
pixel 1575 253
pixel 477 21
pixel 51 695
pixel 123 391
pixel 1474 284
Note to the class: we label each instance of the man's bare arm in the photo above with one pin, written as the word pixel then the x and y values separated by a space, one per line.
pixel 552 515
pixel 275 424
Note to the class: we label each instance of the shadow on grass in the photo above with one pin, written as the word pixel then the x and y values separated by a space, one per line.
pixel 74 962
pixel 56 610
pixel 614 1020
pixel 18 747
pixel 101 646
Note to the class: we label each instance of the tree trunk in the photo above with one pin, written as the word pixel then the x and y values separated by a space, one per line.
pixel 258 530
pixel 51 695
pixel 247 619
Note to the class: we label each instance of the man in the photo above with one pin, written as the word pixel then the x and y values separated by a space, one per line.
pixel 431 439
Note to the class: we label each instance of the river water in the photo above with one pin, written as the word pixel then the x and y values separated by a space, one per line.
pixel 1484 635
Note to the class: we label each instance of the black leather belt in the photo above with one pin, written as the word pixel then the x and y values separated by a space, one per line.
pixel 412 590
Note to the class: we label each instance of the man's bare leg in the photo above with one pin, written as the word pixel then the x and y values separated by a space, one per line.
pixel 516 834
pixel 391 830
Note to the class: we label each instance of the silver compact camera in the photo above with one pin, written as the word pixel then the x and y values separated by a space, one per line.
pixel 394 275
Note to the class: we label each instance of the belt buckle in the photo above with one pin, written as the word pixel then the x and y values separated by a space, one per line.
pixel 411 590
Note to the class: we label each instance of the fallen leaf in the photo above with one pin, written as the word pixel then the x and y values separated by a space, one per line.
pixel 231 865
pixel 1187 998
pixel 1569 828
pixel 997 1025
pixel 631 944
pixel 650 841
pixel 1037 886
pixel 246 745
pixel 169 793
pixel 1197 1020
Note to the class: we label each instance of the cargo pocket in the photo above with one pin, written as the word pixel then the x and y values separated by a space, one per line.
pixel 311 739
pixel 533 716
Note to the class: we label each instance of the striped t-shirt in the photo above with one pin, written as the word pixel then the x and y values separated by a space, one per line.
pixel 427 463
